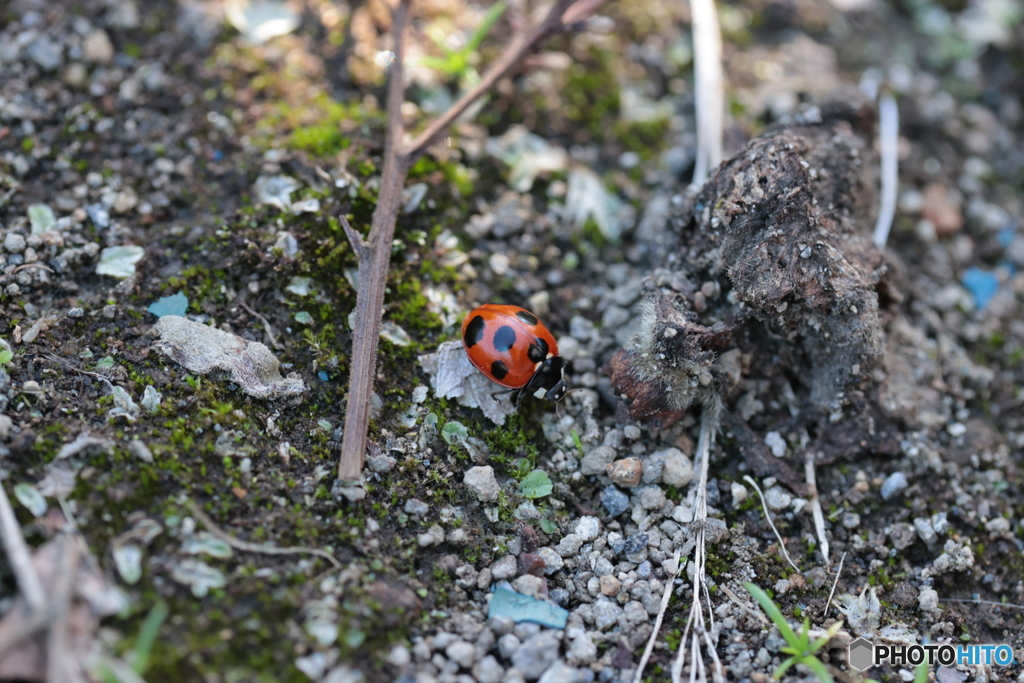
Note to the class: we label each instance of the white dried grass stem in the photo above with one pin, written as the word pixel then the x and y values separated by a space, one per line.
pixel 709 88
pixel 767 515
pixel 816 513
pixel 888 143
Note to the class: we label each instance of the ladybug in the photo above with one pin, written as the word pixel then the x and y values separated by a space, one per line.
pixel 513 348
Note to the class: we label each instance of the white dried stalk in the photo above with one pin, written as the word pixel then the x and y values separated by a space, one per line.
pixel 697 630
pixel 666 596
pixel 767 515
pixel 888 143
pixel 816 513
pixel 709 88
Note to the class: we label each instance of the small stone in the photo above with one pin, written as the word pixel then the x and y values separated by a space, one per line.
pixel 488 670
pixel 739 493
pixel 626 472
pixel 46 53
pixel 508 644
pixel 997 525
pixel 678 470
pixel 528 584
pixel 140 450
pixel 606 614
pixel 14 243
pixel 588 528
pixel 97 48
pixel 560 672
pixel 631 432
pixel 536 655
pixel 925 530
pixel 6 425
pixel 505 568
pixel 416 507
pixel 851 520
pixel 610 585
pixel 635 544
pixel 583 651
pixel 399 656
pixel 569 545
pixel 776 443
pixel 597 460
pixel 462 653
pixel 902 535
pixel 943 212
pixel 614 501
pixel 481 483
pixel 652 498
pixel 893 484
pixel 928 600
pixel 552 560
pixel 381 463
pixel 777 499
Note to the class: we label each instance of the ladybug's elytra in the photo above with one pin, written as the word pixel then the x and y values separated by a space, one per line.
pixel 513 348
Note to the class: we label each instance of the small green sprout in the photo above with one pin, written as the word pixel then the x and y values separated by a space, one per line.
pixel 5 356
pixel 459 63
pixel 576 440
pixel 800 648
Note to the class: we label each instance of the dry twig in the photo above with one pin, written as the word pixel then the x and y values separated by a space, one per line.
pixel 709 87
pixel 19 556
pixel 816 513
pixel 768 516
pixel 374 252
pixel 888 143
pixel 670 584
pixel 697 629
pixel 238 544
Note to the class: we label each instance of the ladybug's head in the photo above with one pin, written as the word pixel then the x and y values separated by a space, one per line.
pixel 549 379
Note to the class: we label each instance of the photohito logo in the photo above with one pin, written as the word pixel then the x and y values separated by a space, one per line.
pixel 864 654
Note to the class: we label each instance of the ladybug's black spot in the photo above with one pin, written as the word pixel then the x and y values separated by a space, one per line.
pixel 504 338
pixel 538 350
pixel 474 332
pixel 499 369
pixel 526 317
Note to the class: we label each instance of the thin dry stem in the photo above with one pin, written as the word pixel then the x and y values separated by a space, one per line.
pixel 888 142
pixel 375 252
pixel 835 583
pixel 816 513
pixel 19 556
pixel 665 598
pixel 695 624
pixel 768 516
pixel 239 544
pixel 709 88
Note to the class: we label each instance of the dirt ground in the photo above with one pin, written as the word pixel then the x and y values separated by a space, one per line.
pixel 228 158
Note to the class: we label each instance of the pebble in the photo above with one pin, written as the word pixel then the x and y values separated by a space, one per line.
pixel 504 569
pixel 583 651
pixel 481 483
pixel 902 535
pixel 997 525
pixel 46 53
pixel 631 432
pixel 925 530
pixel 560 672
pixel 776 498
pixel 776 443
pixel 928 600
pixel 678 470
pixel 597 460
pixel 569 545
pixel 488 670
pixel 97 48
pixel 939 208
pixel 552 560
pixel 610 586
pixel 606 614
pixel 851 520
pixel 739 493
pixel 652 498
pixel 416 507
pixel 893 484
pixel 626 472
pixel 614 501
pixel 381 463
pixel 14 243
pixel 399 656
pixel 462 653
pixel 588 528
pixel 614 316
pixel 508 644
pixel 528 584
pixel 6 425
pixel 536 655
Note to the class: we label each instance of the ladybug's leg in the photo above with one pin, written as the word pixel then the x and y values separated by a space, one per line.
pixel 496 394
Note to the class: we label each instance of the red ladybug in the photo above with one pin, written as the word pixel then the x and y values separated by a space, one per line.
pixel 513 348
